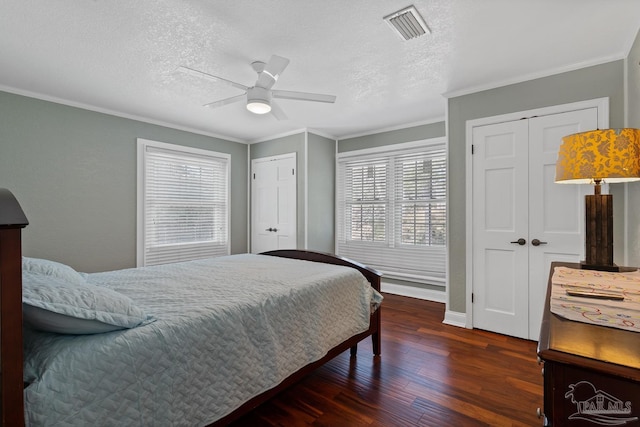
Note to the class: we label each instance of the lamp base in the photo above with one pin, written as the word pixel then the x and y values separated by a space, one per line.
pixel 599 230
pixel 611 268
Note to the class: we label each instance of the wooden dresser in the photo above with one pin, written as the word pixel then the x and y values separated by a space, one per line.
pixel 591 373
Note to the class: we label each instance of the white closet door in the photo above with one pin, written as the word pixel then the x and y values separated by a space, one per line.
pixel 515 197
pixel 500 217
pixel 273 203
pixel 556 211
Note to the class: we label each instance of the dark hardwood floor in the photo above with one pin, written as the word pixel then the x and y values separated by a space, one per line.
pixel 429 374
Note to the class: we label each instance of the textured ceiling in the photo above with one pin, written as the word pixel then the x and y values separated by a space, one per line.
pixel 121 56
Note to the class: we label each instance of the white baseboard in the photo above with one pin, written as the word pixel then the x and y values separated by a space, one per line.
pixel 414 292
pixel 455 318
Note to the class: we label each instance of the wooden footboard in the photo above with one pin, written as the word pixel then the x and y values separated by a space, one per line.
pixel 374 330
pixel 372 275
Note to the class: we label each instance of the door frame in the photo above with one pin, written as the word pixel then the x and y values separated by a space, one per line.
pixel 602 105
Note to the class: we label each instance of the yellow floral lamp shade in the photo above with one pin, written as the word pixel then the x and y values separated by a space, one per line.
pixel 611 155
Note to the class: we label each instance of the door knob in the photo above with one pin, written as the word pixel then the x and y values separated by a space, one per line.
pixel 271 229
pixel 520 241
pixel 536 242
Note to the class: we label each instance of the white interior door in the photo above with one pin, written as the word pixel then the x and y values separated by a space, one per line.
pixel 500 217
pixel 273 203
pixel 515 197
pixel 556 211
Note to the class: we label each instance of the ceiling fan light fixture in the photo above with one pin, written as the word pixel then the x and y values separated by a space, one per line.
pixel 258 97
pixel 258 100
pixel 258 107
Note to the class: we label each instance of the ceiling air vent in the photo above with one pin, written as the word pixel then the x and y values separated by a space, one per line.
pixel 407 23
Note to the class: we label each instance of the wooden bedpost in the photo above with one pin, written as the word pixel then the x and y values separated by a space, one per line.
pixel 12 220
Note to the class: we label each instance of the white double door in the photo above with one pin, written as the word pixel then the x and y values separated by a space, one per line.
pixel 522 220
pixel 273 203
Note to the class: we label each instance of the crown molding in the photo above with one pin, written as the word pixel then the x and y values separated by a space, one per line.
pixel 89 107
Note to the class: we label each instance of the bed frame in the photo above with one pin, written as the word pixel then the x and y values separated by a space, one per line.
pixel 13 219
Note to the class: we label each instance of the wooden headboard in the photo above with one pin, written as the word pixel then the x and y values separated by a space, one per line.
pixel 12 220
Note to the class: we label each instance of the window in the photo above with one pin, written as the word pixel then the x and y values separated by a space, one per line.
pixel 183 203
pixel 391 209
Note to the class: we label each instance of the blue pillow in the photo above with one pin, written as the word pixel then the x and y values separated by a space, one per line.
pixel 51 268
pixel 53 304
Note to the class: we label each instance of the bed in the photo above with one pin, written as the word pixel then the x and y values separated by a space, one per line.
pixel 194 351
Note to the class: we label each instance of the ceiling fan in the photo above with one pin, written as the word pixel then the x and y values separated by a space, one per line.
pixel 259 97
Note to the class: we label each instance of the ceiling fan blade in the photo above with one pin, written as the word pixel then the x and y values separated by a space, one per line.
pixel 196 73
pixel 277 112
pixel 226 101
pixel 303 96
pixel 272 71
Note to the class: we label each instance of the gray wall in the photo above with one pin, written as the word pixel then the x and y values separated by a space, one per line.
pixel 599 81
pixel 74 173
pixel 321 193
pixel 414 133
pixel 284 145
pixel 633 120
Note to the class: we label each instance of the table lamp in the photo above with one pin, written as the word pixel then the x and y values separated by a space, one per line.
pixel 596 157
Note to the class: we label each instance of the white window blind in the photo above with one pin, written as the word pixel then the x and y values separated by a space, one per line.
pixel 185 204
pixel 391 211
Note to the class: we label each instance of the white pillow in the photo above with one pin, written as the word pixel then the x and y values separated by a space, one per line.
pixel 51 268
pixel 52 304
